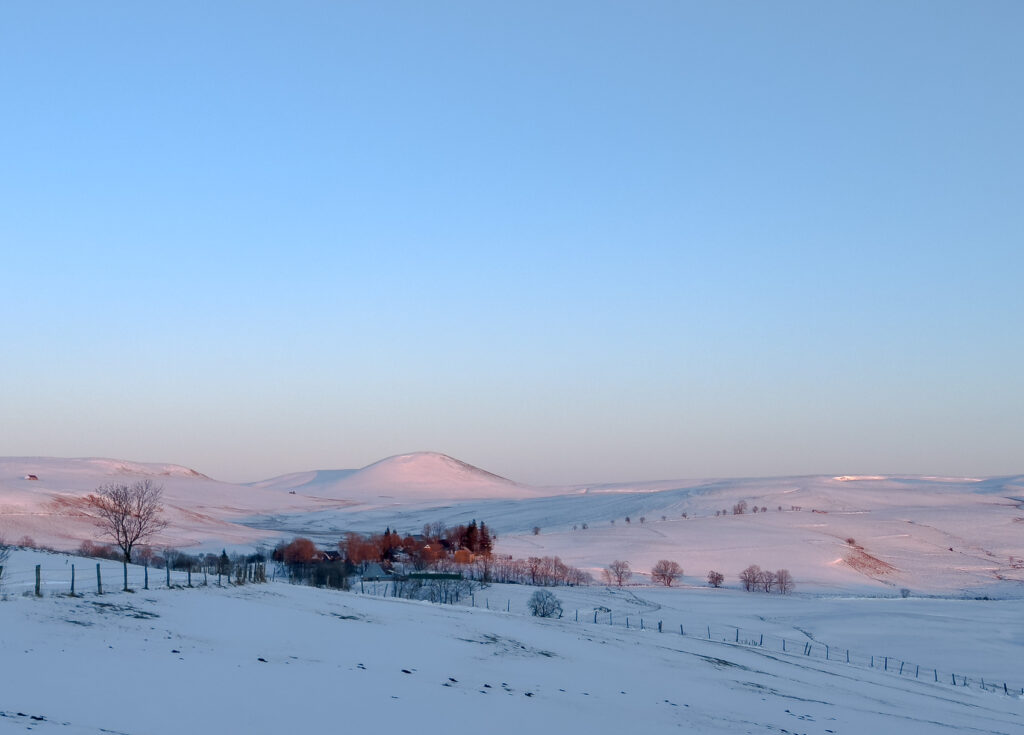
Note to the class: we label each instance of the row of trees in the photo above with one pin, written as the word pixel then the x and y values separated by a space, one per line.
pixel 668 572
pixel 754 579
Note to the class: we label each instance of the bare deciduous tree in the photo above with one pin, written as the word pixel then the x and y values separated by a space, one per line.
pixel 766 580
pixel 544 604
pixel 750 577
pixel 666 572
pixel 128 514
pixel 784 581
pixel 618 572
pixel 715 579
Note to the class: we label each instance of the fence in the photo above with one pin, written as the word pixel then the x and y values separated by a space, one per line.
pixel 739 636
pixel 90 577
pixel 87 576
pixel 808 648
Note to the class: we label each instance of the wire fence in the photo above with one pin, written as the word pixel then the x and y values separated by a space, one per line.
pixel 90 577
pixel 87 576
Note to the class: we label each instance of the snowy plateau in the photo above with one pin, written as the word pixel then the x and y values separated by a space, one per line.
pixel 907 617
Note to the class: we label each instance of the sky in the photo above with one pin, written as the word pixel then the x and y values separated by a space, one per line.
pixel 567 242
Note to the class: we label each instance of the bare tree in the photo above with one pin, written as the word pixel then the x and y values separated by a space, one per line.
pixel 618 572
pixel 544 604
pixel 715 579
pixel 666 572
pixel 784 581
pixel 766 579
pixel 128 514
pixel 750 577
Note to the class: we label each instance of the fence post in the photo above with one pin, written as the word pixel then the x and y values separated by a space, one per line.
pixel 1005 690
pixel 886 666
pixel 145 583
pixel 627 621
pixel 99 581
pixel 847 655
pixel 508 608
pixel 72 580
pixel 917 672
pixel 595 617
pixel 901 667
pixel 709 632
pixel 937 676
pixel 1 571
pixel 38 593
pixel 190 574
pixel 681 631
pixel 762 640
pixel 783 645
pixel 126 575
pixel 659 626
pixel 826 652
pixel 641 623
pixel 577 616
pixel 737 635
pixel 609 617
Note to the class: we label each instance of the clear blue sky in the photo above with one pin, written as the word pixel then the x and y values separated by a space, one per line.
pixel 568 242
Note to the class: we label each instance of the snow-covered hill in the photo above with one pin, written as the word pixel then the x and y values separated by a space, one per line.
pixel 411 477
pixel 928 534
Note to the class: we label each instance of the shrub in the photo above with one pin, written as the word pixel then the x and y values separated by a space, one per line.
pixel 544 604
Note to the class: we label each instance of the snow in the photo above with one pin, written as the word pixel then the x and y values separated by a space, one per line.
pixel 189 660
pixel 935 536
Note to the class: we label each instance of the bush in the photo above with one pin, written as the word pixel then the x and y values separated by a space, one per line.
pixel 544 604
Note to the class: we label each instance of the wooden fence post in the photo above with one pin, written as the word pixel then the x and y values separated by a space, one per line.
pixel 125 575
pixel 167 566
pixel 99 581
pixel 38 593
pixel 145 583
pixel 681 631
pixel 190 574
pixel 72 580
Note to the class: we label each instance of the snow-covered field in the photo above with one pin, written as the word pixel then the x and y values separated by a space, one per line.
pixel 928 534
pixel 847 653
pixel 279 658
